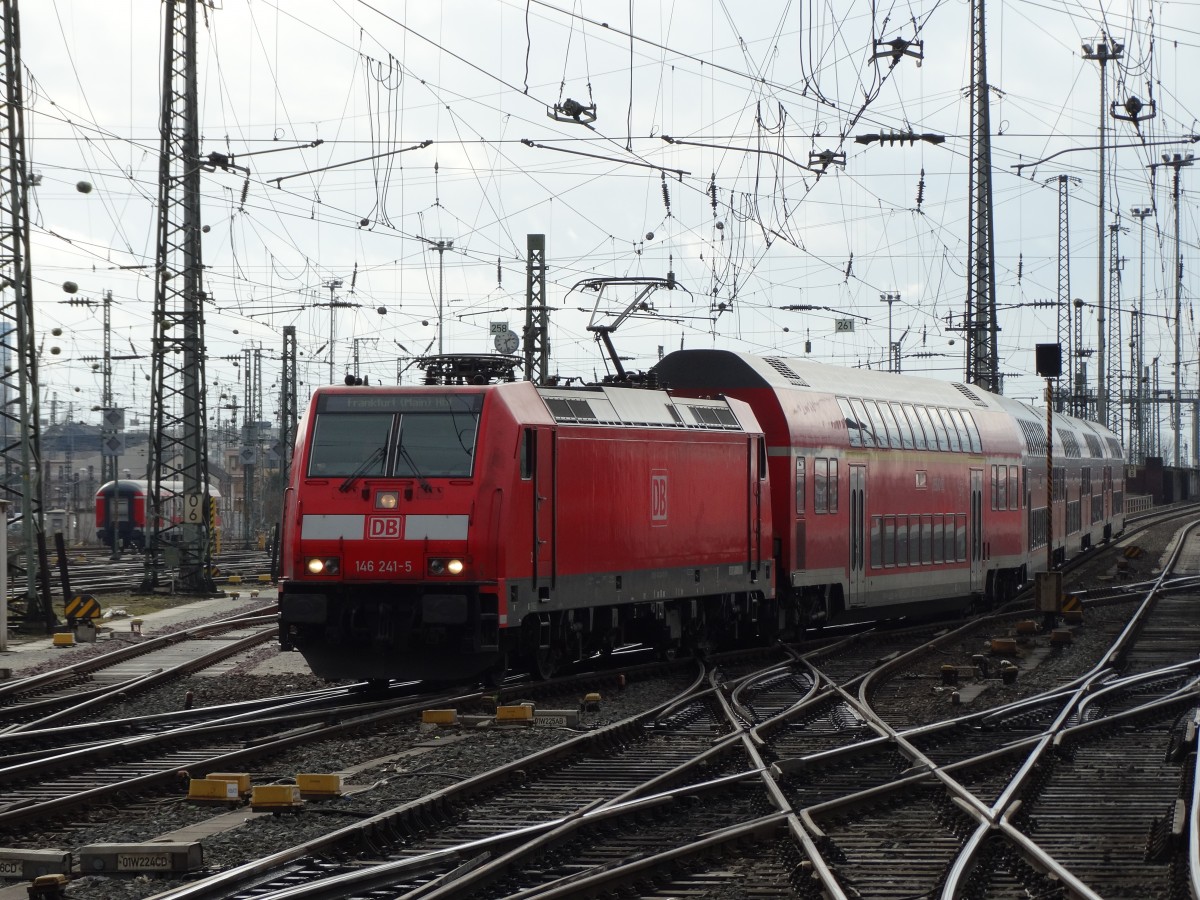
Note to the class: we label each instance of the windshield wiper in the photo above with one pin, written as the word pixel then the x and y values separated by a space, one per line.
pixel 376 456
pixel 407 457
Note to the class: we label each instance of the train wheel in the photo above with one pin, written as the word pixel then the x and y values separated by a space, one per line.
pixel 545 663
pixel 376 687
pixel 494 677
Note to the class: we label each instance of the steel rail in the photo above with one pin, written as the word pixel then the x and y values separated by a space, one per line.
pixel 219 886
pixel 965 860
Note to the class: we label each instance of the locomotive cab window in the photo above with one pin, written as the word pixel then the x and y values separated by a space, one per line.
pixel 399 436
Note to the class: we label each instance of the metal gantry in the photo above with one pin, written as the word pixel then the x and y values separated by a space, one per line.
pixel 178 527
pixel 537 318
pixel 983 360
pixel 22 483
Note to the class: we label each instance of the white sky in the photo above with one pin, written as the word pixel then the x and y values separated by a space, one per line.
pixel 764 84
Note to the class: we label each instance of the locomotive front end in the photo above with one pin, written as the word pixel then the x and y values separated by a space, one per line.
pixel 379 574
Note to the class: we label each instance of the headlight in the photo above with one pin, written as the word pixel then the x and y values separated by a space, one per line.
pixel 322 565
pixel 446 567
pixel 387 500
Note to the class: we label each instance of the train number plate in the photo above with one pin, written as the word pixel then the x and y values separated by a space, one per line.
pixel 12 868
pixel 382 566
pixel 143 862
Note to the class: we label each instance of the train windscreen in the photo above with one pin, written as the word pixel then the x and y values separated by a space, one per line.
pixel 396 436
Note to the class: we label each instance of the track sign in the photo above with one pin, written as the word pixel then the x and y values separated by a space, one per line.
pixel 496 328
pixel 82 606
pixel 113 419
pixel 193 509
pixel 843 325
pixel 112 445
pixel 248 455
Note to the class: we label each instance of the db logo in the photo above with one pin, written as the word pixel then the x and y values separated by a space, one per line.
pixel 658 496
pixel 386 527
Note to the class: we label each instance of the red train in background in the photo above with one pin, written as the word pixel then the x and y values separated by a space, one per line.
pixel 446 532
pixel 121 506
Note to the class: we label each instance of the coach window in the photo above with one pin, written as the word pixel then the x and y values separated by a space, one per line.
pixel 960 419
pixel 926 540
pixel 902 540
pixel 910 416
pixel 957 442
pixel 853 428
pixel 939 535
pixel 869 436
pixel 887 434
pixel 800 487
pixel 961 538
pixel 831 485
pixel 876 527
pixel 906 437
pixel 820 475
pixel 933 433
pixel 1002 487
pixel 889 541
pixel 876 420
pixel 895 435
pixel 1013 495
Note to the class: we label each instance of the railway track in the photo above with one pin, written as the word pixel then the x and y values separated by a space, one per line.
pixel 789 750
pixel 95 572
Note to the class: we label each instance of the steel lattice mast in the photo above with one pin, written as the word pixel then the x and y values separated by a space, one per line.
pixel 287 401
pixel 983 360
pixel 1064 293
pixel 22 484
pixel 1114 364
pixel 178 463
pixel 537 338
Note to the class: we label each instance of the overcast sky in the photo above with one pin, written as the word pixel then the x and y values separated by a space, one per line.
pixel 734 207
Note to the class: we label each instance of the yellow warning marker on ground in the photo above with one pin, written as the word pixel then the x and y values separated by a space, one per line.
pixel 313 785
pixel 209 791
pixel 63 639
pixel 520 713
pixel 276 798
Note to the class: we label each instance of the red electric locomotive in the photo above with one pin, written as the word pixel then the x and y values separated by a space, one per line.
pixel 895 494
pixel 446 532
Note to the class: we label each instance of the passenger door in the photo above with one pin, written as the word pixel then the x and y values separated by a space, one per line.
pixel 858 536
pixel 975 551
pixel 544 462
